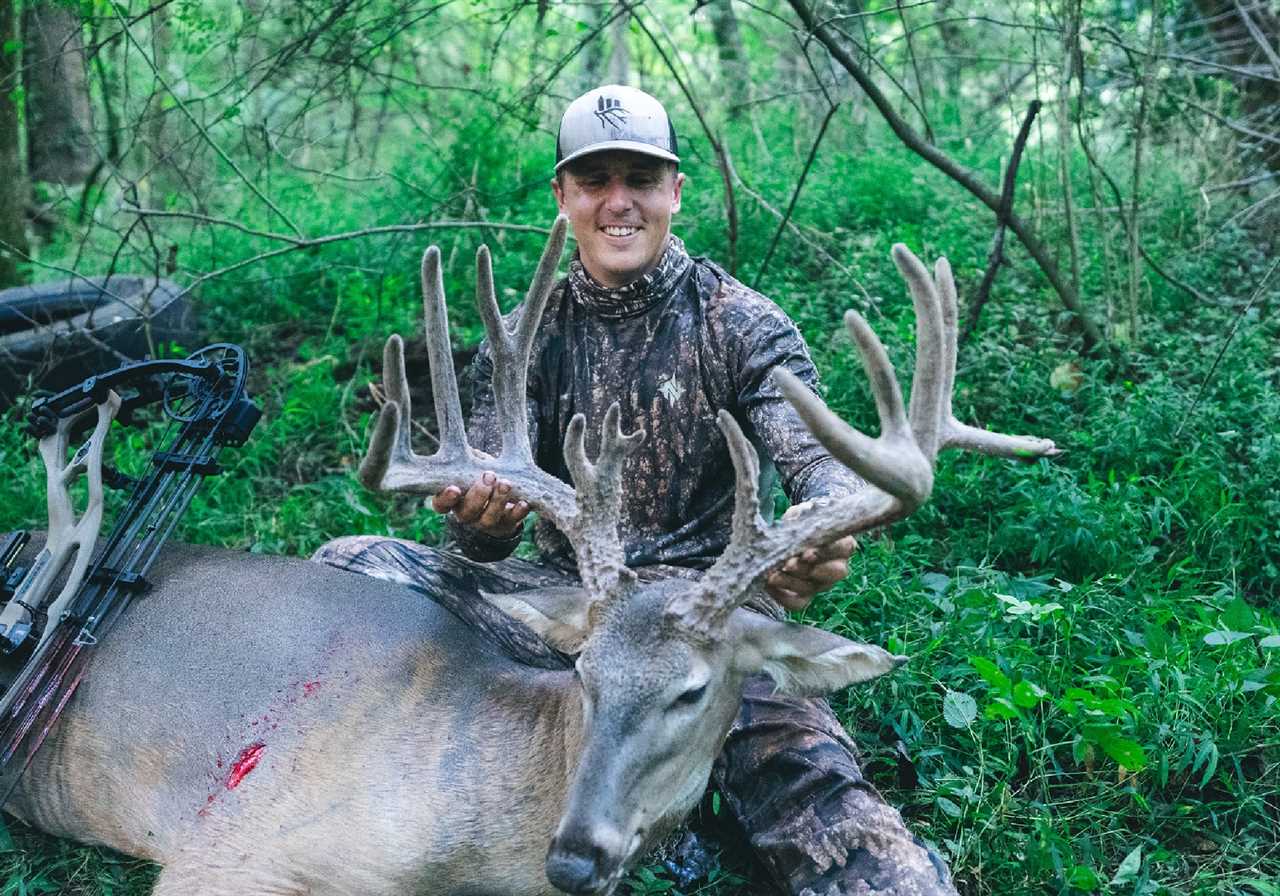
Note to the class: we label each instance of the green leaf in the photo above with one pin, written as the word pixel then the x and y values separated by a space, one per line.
pixel 948 807
pixel 990 673
pixel 1270 641
pixel 936 582
pixel 1206 758
pixel 959 709
pixel 1082 877
pixel 1124 750
pixel 1130 865
pixel 1238 616
pixel 1028 694
pixel 1217 639
pixel 1001 708
pixel 1157 639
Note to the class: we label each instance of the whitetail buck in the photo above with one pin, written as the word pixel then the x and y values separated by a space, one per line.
pixel 265 725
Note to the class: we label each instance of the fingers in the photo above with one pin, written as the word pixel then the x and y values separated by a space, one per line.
pixel 488 505
pixel 815 570
pixel 840 549
pixel 477 497
pixel 790 600
pixel 506 520
pixel 446 500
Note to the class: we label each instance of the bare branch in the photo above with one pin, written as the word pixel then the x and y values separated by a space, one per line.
pixel 995 257
pixel 1092 335
pixel 248 182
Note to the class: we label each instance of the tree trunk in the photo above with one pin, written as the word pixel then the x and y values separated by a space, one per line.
pixel 593 54
pixel 13 191
pixel 620 55
pixel 59 121
pixel 734 69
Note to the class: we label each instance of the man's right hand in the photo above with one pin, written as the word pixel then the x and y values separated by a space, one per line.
pixel 486 505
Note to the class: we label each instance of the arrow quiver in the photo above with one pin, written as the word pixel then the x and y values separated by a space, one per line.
pixel 204 403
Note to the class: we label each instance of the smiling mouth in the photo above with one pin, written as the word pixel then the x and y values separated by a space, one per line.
pixel 620 230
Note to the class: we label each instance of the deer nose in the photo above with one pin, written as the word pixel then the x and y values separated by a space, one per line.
pixel 583 862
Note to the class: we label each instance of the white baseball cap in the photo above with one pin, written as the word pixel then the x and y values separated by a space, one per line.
pixel 615 117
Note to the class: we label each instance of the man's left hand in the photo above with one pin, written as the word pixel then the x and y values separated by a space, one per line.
pixel 810 573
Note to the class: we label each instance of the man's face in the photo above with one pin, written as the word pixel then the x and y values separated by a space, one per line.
pixel 620 205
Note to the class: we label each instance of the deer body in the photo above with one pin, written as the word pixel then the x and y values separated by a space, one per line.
pixel 399 753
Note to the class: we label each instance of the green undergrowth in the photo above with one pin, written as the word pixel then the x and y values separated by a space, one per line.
pixel 1091 702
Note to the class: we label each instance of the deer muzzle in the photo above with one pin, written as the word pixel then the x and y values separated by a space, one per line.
pixel 586 860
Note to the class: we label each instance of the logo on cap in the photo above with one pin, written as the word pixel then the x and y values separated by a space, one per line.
pixel 610 111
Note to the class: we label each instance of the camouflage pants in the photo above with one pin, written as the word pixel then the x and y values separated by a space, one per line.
pixel 788 772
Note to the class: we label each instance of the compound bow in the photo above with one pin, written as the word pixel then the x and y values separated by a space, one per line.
pixel 205 401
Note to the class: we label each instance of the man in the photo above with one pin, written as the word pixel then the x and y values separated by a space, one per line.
pixel 675 339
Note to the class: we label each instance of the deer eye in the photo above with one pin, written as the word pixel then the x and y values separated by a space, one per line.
pixel 690 697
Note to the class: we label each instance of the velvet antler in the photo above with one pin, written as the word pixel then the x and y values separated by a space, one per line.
pixel 588 512
pixel 898 465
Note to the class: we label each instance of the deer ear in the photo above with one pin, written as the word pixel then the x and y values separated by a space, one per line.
pixel 558 615
pixel 804 661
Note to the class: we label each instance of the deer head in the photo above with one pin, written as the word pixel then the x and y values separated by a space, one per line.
pixel 662 664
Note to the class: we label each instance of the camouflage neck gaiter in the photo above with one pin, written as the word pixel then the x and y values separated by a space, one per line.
pixel 639 295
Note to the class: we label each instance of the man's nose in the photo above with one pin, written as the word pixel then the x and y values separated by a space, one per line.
pixel 618 195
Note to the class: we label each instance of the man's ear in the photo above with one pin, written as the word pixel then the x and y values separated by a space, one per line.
pixel 804 661
pixel 557 190
pixel 677 187
pixel 558 615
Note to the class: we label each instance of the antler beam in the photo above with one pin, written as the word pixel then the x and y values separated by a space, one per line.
pixel 898 464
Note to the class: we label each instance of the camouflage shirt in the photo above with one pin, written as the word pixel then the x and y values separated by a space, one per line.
pixel 673 348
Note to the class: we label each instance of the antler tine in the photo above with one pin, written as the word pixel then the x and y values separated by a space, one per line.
pixel 927 399
pixel 961 435
pixel 595 538
pixel 444 382
pixel 511 349
pixel 544 279
pixel 701 609
pixel 390 441
pixel 588 517
pixel 898 465
pixel 893 462
pixel 947 293
pixel 390 463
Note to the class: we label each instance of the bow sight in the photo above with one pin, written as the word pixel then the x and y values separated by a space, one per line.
pixel 204 401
